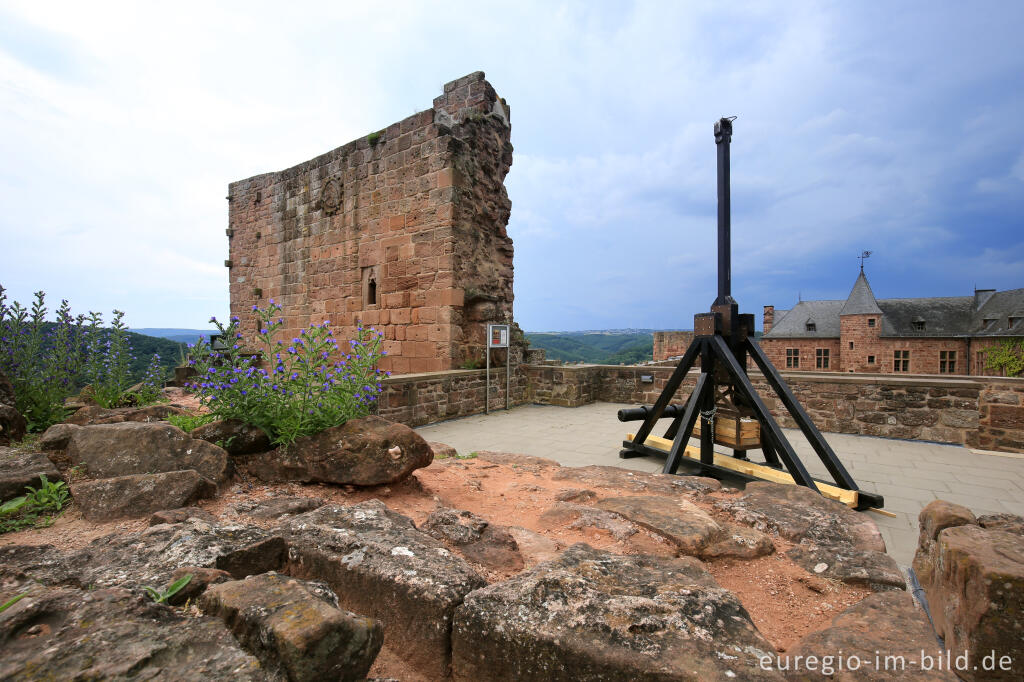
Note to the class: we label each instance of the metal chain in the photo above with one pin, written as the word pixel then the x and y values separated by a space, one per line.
pixel 709 417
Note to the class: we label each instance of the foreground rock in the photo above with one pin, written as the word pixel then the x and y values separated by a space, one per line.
pixel 974 581
pixel 277 507
pixel 381 566
pixel 296 627
pixel 181 515
pixel 889 626
pixel 57 437
pixel 94 414
pixel 126 497
pixel 234 435
pixel 110 450
pixel 833 540
pixel 365 452
pixel 477 539
pixel 19 469
pixel 148 557
pixel 595 615
pixel 798 513
pixel 681 522
pixel 108 634
pixel 636 481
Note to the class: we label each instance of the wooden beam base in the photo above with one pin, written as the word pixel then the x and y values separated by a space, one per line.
pixel 765 473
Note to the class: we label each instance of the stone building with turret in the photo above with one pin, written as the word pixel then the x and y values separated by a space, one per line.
pixel 893 336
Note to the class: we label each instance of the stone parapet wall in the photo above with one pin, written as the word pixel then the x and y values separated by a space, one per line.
pixel 418 399
pixel 978 412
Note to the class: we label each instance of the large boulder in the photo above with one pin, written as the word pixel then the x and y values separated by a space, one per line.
pixel 974 583
pixel 234 435
pixel 59 633
pixel 121 449
pixel 381 566
pixel 296 627
pixel 125 497
pixel 591 614
pixel 887 627
pixel 19 469
pixel 936 517
pixel 94 414
pixel 365 452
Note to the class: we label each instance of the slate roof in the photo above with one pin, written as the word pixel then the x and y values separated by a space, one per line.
pixel 999 313
pixel 861 300
pixel 793 324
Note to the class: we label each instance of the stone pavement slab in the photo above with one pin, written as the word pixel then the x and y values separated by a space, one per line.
pixel 909 474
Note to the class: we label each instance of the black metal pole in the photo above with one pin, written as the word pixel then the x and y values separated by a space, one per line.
pixel 723 137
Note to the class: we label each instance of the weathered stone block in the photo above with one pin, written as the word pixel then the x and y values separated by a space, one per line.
pixel 296 627
pixel 591 614
pixel 19 469
pixel 380 565
pixel 139 494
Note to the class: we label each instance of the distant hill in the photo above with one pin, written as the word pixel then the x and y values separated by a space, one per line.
pixel 173 334
pixel 612 347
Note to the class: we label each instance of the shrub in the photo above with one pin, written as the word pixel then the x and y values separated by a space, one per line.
pixel 1007 357
pixel 47 361
pixel 36 508
pixel 41 359
pixel 304 392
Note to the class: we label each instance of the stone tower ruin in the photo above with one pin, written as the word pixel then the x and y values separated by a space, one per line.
pixel 403 230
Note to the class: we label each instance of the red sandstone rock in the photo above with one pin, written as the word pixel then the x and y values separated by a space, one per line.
pixel 367 451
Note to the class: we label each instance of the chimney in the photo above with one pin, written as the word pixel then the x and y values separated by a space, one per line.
pixel 769 318
pixel 981 297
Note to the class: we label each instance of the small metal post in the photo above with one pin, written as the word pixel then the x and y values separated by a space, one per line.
pixel 508 375
pixel 487 391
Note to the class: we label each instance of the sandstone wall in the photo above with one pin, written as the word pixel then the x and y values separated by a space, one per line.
pixel 403 230
pixel 671 344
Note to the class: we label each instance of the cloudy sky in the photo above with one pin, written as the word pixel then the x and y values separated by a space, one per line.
pixel 893 127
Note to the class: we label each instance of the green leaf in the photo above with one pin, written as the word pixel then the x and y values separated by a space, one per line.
pixel 8 604
pixel 176 587
pixel 11 506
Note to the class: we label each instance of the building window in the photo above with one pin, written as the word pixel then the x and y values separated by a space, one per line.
pixel 851 345
pixel 793 358
pixel 871 322
pixel 918 325
pixel 947 361
pixel 812 327
pixel 871 359
pixel 370 276
pixel 821 358
pixel 1012 322
pixel 901 361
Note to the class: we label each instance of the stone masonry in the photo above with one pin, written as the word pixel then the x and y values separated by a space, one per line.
pixel 403 230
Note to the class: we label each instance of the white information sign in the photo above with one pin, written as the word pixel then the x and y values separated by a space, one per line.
pixel 497 336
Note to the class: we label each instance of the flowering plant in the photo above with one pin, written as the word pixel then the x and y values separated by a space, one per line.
pixel 304 391
pixel 40 359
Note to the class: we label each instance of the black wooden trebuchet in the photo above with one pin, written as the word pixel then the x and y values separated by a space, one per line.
pixel 723 341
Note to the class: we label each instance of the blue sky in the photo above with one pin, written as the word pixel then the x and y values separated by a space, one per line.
pixel 893 127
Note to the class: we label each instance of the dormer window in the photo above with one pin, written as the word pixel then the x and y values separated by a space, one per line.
pixel 990 324
pixel 811 327
pixel 1012 321
pixel 919 325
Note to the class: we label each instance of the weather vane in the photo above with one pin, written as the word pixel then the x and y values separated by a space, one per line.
pixel 862 256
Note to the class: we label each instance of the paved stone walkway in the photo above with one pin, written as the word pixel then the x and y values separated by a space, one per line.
pixel 909 474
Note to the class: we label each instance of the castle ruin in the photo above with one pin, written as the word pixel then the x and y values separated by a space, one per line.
pixel 403 230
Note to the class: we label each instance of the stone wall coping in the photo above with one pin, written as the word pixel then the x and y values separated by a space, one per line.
pixel 439 375
pixel 924 380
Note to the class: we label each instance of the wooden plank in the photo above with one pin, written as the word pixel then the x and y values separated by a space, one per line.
pixel 765 473
pixel 726 435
